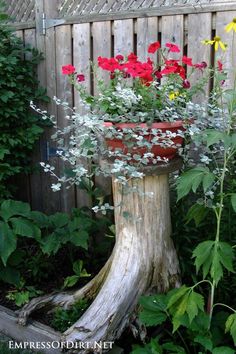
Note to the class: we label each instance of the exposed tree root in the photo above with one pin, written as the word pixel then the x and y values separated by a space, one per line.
pixel 65 299
pixel 143 260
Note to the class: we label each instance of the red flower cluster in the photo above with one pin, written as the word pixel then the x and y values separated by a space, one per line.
pixel 132 67
pixel 68 69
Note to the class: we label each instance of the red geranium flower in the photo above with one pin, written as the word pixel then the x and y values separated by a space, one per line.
pixel 173 48
pixel 186 60
pixel 119 57
pixel 80 77
pixel 186 84
pixel 201 65
pixel 68 69
pixel 153 47
pixel 132 57
pixel 171 62
pixel 110 64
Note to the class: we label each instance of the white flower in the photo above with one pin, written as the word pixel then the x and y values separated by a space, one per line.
pixel 56 187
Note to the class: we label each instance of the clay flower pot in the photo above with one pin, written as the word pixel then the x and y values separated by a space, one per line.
pixel 168 138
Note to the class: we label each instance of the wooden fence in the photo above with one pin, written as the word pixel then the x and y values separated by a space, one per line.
pixel 83 38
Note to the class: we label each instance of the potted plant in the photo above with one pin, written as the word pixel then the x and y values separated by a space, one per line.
pixel 143 109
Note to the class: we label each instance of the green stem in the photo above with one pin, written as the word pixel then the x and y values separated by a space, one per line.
pixel 224 305
pixel 202 281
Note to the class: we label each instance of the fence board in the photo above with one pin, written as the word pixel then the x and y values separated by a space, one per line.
pixel 172 30
pixel 229 58
pixel 199 28
pixel 123 37
pixel 64 92
pixel 147 33
pixel 101 32
pixel 81 60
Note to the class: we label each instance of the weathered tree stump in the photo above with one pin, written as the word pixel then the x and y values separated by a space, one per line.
pixel 143 260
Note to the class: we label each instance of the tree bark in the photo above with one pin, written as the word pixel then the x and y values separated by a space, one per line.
pixel 143 259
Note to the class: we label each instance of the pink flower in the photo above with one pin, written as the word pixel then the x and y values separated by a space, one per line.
pixel 80 77
pixel 68 69
pixel 173 48
pixel 153 47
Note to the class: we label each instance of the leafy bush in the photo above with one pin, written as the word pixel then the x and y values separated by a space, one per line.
pixel 20 127
pixel 44 235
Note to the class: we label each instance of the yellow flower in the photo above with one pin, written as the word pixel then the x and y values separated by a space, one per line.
pixel 217 42
pixel 231 26
pixel 173 95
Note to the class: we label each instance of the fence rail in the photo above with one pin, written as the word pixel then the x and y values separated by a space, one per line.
pixel 79 41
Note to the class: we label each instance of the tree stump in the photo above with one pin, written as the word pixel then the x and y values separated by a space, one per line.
pixel 143 260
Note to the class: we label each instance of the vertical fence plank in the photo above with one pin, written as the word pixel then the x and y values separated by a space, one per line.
pixel 81 60
pixel 101 33
pixel 147 33
pixel 82 56
pixel 199 28
pixel 229 57
pixel 51 200
pixel 64 92
pixel 20 34
pixel 35 179
pixel 172 30
pixel 123 36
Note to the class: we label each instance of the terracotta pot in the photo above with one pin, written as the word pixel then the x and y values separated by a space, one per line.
pixel 157 150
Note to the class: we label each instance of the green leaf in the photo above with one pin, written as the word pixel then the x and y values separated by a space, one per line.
pixel 71 281
pixel 213 137
pixel 233 201
pixel 230 326
pixel 7 242
pixel 208 181
pixel 10 208
pixel 59 219
pixel 51 244
pixel 10 275
pixel 79 239
pixel 177 295
pixel 190 180
pixel 226 255
pixel 24 227
pixel 77 267
pixel 22 298
pixel 197 213
pixel 195 303
pixel 205 341
pixel 173 348
pixel 39 218
pixel 216 268
pixel 203 256
pixel 223 350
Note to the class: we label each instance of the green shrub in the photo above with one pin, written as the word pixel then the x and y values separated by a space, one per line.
pixel 20 127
